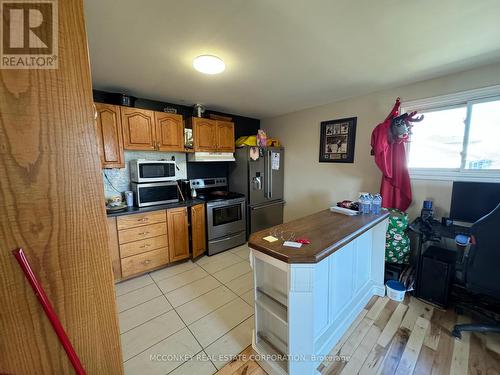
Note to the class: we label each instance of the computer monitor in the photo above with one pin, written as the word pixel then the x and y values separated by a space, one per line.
pixel 471 201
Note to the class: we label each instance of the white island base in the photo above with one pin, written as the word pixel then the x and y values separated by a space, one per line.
pixel 303 309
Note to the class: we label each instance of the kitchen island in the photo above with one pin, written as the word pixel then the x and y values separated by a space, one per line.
pixel 306 298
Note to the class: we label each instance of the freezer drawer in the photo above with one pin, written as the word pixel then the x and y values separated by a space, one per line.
pixel 265 216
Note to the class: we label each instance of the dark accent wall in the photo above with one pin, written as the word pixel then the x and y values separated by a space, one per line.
pixel 242 126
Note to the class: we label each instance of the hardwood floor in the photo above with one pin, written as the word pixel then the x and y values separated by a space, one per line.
pixel 401 338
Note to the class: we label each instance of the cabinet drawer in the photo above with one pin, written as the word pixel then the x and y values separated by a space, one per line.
pixel 141 233
pixel 138 247
pixel 144 262
pixel 137 220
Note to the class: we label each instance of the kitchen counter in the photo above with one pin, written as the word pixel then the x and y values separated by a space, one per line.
pixel 138 210
pixel 327 231
pixel 306 298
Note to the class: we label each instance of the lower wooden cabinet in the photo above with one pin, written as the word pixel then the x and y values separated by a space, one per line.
pixel 142 242
pixel 144 262
pixel 198 232
pixel 178 237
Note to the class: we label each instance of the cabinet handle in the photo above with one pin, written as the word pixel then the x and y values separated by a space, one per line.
pixel 145 245
pixel 147 261
pixel 143 233
pixel 143 219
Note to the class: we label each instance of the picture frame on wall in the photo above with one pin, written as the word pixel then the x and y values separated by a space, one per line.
pixel 337 140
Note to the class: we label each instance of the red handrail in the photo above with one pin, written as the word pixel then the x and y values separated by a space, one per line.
pixel 49 311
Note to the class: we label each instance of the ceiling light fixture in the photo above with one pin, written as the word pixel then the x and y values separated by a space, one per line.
pixel 209 64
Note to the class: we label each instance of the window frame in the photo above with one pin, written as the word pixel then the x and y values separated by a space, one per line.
pixel 464 98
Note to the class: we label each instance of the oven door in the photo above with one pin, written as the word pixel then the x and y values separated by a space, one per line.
pixel 225 218
pixel 156 171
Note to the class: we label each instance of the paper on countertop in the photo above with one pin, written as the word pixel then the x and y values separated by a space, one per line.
pixel 292 244
pixel 270 239
pixel 343 211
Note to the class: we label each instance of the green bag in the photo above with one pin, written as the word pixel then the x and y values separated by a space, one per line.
pixel 397 242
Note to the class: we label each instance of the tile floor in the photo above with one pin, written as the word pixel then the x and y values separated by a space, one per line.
pixel 190 317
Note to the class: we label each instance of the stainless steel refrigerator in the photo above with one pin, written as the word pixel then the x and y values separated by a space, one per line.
pixel 259 173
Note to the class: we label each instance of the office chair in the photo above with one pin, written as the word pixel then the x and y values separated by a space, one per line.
pixel 482 271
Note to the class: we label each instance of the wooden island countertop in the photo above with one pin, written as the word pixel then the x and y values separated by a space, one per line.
pixel 328 231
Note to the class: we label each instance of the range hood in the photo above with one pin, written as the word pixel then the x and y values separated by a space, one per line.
pixel 211 156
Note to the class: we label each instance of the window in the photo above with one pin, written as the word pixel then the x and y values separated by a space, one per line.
pixel 459 138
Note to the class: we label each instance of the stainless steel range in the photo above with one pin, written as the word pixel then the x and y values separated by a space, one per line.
pixel 226 216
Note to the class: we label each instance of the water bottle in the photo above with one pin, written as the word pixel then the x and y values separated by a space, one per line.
pixel 364 203
pixel 376 204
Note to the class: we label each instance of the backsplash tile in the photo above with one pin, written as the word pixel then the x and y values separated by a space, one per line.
pixel 120 178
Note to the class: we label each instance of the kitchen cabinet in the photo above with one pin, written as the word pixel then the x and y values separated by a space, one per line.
pixel 169 132
pixel 212 135
pixel 109 135
pixel 178 239
pixel 114 248
pixel 198 232
pixel 142 242
pixel 225 136
pixel 139 131
pixel 204 134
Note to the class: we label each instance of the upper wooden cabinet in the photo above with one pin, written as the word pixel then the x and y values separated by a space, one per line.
pixel 178 238
pixel 169 132
pixel 139 131
pixel 225 136
pixel 198 234
pixel 109 135
pixel 204 134
pixel 212 135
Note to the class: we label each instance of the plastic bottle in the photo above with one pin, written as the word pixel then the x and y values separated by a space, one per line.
pixel 364 203
pixel 376 204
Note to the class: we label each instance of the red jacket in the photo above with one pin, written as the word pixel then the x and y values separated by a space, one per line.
pixel 390 157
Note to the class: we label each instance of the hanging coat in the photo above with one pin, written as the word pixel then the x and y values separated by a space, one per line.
pixel 390 157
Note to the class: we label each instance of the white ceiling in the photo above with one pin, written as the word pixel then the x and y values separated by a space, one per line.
pixel 284 55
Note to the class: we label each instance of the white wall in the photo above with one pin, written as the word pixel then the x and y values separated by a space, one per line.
pixel 311 186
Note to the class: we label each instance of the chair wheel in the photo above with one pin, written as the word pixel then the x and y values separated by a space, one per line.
pixel 456 333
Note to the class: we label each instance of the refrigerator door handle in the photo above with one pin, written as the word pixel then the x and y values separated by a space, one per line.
pixel 269 176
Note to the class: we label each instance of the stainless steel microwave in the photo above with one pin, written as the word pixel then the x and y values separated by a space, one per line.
pixel 155 193
pixel 142 170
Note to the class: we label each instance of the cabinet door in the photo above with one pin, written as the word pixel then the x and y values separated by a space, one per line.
pixel 178 241
pixel 114 248
pixel 204 134
pixel 225 136
pixel 169 132
pixel 138 129
pixel 198 236
pixel 109 135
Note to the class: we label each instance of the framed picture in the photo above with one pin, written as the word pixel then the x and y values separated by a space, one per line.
pixel 337 139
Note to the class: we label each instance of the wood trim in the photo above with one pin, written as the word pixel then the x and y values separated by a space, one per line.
pixel 48 160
